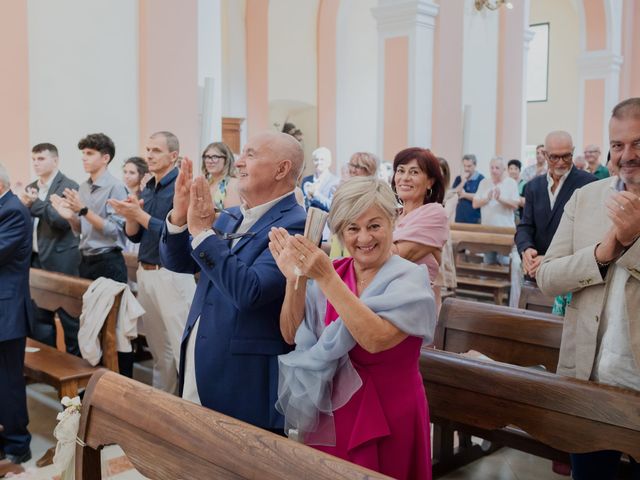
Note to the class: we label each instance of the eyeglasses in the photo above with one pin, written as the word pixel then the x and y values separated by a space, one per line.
pixel 231 235
pixel 591 151
pixel 213 157
pixel 565 157
pixel 355 166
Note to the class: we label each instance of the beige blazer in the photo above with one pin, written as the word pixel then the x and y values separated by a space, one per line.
pixel 570 266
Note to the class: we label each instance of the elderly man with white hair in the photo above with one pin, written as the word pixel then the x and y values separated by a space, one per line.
pixel 15 310
pixel 497 197
pixel 319 188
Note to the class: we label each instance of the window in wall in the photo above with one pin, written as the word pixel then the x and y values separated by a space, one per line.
pixel 538 64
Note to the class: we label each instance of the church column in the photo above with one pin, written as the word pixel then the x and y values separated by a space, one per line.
pixel 511 112
pixel 405 73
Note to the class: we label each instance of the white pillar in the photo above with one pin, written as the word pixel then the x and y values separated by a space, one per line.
pixel 210 70
pixel 414 19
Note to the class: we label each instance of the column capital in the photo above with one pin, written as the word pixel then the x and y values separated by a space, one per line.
pixel 599 63
pixel 404 15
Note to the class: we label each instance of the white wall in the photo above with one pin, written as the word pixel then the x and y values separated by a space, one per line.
pixel 234 68
pixel 83 70
pixel 210 70
pixel 293 50
pixel 357 82
pixel 479 83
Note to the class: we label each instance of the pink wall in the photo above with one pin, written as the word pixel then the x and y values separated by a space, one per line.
pixel 593 112
pixel 595 26
pixel 257 28
pixel 446 137
pixel 14 90
pixel 169 71
pixel 630 72
pixel 396 95
pixel 327 17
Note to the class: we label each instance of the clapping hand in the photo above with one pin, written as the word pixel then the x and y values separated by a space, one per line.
pixel 28 196
pixel 61 205
pixel 129 209
pixel 182 194
pixel 284 256
pixel 73 200
pixel 201 211
pixel 623 208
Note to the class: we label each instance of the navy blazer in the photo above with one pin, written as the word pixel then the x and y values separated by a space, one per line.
pixel 238 301
pixel 15 259
pixel 539 221
pixel 57 244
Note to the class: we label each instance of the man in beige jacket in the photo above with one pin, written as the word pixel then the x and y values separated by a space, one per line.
pixel 595 254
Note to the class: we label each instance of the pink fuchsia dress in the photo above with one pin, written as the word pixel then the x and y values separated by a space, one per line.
pixel 384 425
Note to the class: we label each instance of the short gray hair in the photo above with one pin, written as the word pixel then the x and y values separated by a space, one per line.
pixel 173 144
pixel 470 156
pixel 5 181
pixel 355 196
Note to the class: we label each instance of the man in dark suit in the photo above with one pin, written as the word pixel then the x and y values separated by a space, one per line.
pixel 545 198
pixel 55 247
pixel 15 310
pixel 232 337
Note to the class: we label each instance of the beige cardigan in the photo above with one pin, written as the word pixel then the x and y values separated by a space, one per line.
pixel 570 266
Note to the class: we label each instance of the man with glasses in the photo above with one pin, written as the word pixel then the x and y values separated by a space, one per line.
pixel 594 167
pixel 596 255
pixel 545 198
pixel 165 295
pixel 232 338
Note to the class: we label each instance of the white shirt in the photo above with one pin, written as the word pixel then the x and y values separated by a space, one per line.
pixel 249 218
pixel 43 190
pixel 495 213
pixel 554 195
pixel 615 364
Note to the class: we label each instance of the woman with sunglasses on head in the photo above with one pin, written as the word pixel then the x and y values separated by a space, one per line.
pixel 423 227
pixel 218 168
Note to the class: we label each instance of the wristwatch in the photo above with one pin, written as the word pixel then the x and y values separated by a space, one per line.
pixel 83 211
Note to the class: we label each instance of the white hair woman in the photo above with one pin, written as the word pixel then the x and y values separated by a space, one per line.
pixel 352 387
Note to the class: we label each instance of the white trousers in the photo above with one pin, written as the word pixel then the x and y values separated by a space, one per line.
pixel 166 296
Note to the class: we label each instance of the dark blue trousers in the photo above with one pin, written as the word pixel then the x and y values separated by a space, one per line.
pixel 15 438
pixel 601 465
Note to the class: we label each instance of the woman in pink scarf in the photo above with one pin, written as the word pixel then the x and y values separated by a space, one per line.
pixel 352 387
pixel 422 228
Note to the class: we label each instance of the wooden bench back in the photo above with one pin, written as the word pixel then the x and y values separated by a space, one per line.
pixel 52 290
pixel 567 414
pixel 508 335
pixel 531 298
pixel 481 242
pixel 166 437
pixel 476 227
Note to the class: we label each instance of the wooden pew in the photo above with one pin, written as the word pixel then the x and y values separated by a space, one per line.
pixel 509 335
pixel 475 277
pixel 527 409
pixel 531 298
pixel 476 227
pixel 166 437
pixel 66 372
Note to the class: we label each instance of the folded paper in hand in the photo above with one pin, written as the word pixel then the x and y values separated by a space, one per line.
pixel 313 228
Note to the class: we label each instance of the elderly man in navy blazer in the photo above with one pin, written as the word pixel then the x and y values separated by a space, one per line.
pixel 232 337
pixel 15 312
pixel 545 198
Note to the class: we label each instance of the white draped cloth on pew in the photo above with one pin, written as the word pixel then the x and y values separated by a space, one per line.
pixel 96 304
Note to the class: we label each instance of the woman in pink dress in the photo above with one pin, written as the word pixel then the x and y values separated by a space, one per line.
pixel 423 227
pixel 352 386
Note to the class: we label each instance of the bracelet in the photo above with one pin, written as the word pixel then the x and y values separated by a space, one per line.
pixel 598 262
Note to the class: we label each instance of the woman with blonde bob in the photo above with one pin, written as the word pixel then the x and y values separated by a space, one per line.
pixel 352 387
